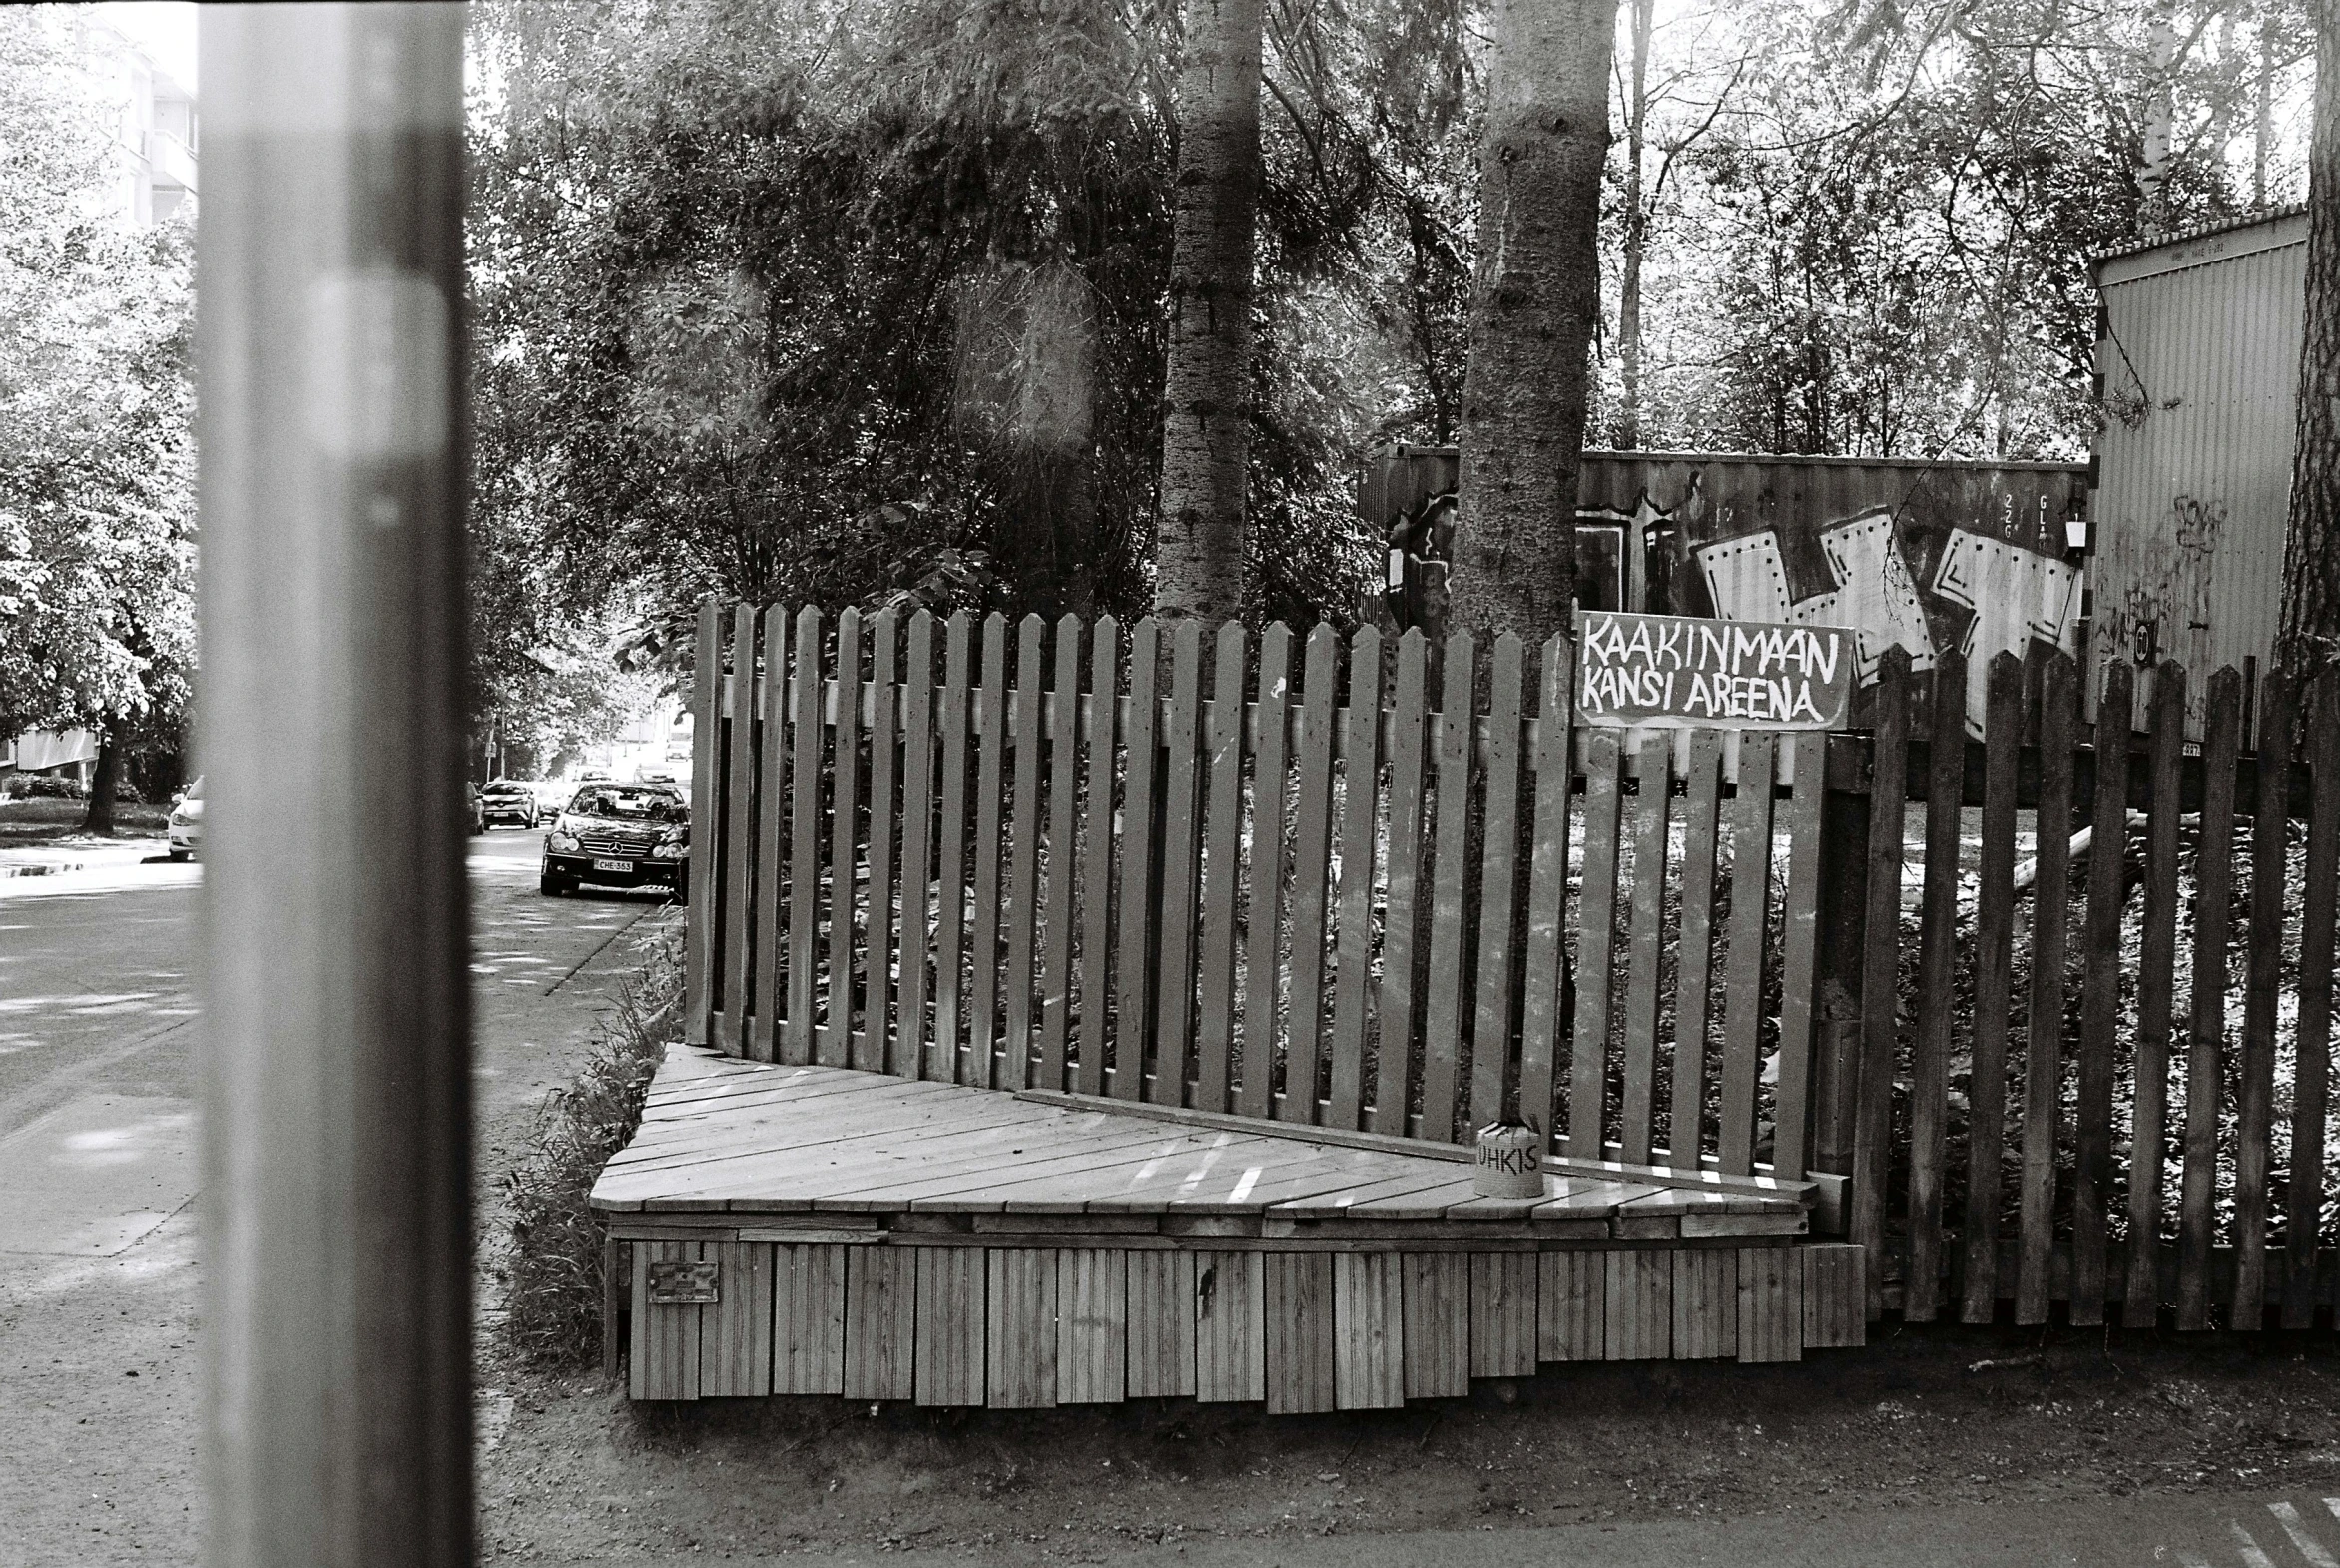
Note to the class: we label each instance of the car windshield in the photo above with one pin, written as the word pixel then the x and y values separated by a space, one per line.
pixel 508 786
pixel 640 806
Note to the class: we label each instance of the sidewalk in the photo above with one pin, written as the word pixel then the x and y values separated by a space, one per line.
pixel 79 854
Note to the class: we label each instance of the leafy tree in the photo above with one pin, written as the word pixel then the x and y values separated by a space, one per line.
pixel 97 514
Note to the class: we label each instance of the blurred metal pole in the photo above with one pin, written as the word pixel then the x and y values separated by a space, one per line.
pixel 337 1054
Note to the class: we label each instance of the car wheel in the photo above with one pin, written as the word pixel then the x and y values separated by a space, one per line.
pixel 179 854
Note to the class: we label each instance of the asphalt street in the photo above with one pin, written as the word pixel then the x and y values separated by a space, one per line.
pixel 98 1082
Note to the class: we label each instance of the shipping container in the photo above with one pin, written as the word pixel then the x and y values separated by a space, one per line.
pixel 1924 555
pixel 2197 374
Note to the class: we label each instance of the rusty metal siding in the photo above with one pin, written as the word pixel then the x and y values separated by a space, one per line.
pixel 2199 364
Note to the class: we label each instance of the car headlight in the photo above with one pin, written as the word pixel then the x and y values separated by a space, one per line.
pixel 672 847
pixel 564 838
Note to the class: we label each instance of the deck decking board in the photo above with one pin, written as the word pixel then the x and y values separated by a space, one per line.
pixel 1162 1324
pixel 1437 1297
pixel 1571 1298
pixel 881 1329
pixel 1368 1328
pixel 1092 1325
pixel 1229 1314
pixel 809 1319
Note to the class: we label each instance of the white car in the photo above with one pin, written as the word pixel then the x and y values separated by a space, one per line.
pixel 187 823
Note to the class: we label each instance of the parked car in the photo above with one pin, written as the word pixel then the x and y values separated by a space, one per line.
pixel 620 835
pixel 509 800
pixel 187 821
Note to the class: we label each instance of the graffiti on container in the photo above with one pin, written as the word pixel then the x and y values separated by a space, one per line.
pixel 2016 595
pixel 2166 610
pixel 1873 591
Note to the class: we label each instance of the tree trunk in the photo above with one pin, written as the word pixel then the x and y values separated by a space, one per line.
pixel 1199 547
pixel 107 781
pixel 1636 233
pixel 2311 548
pixel 1535 299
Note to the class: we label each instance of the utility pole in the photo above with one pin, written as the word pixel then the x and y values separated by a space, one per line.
pixel 337 1051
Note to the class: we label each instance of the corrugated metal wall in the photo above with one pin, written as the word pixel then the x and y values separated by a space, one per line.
pixel 2198 364
pixel 1924 555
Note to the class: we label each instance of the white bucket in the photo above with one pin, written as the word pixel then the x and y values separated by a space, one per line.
pixel 1509 1162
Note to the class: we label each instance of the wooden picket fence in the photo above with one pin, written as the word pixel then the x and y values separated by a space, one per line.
pixel 2122 1146
pixel 1076 860
pixel 1148 865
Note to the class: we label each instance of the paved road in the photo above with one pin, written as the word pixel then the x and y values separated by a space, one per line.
pixel 98 1078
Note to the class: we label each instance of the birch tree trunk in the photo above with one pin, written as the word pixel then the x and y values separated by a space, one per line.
pixel 1535 297
pixel 1200 540
pixel 2310 637
pixel 1637 231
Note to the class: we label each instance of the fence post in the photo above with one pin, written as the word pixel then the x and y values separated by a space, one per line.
pixel 1844 885
pixel 336 1059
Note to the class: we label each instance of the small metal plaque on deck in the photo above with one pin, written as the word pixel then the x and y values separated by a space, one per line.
pixel 679 1283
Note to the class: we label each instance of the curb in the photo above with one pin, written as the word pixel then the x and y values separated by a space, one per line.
pixel 54 868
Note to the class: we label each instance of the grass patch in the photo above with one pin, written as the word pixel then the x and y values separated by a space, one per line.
pixel 44 820
pixel 553 1288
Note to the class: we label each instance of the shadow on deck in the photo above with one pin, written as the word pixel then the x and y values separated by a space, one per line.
pixel 821 1230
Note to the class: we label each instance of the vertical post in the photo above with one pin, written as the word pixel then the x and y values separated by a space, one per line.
pixel 336 1106
pixel 1843 898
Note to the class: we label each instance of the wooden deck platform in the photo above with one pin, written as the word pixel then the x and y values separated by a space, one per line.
pixel 817 1229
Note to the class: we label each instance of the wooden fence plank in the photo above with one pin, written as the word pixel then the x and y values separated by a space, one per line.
pixel 1799 959
pixel 2262 996
pixel 1547 890
pixel 981 1063
pixel 1499 885
pixel 739 835
pixel 1571 1319
pixel 1638 1314
pixel 2205 1067
pixel 807 1324
pixel 1441 1034
pixel 1163 1306
pixel 1097 882
pixel 1230 1327
pixel 1299 1319
pixel 872 1046
pixel 2156 975
pixel 1881 998
pixel 1994 937
pixel 2044 1047
pixel 2311 1073
pixel 1742 1014
pixel 950 860
pixel 1369 1316
pixel 1312 842
pixel 1706 1301
pixel 1361 773
pixel 1223 857
pixel 1134 909
pixel 1771 1295
pixel 1181 755
pixel 1938 950
pixel 664 1352
pixel 1265 910
pixel 910 1056
pixel 1092 1323
pixel 2101 1019
pixel 1021 1350
pixel 1504 1292
pixel 1597 929
pixel 1020 908
pixel 1435 1290
pixel 953 1330
pixel 1408 726
pixel 1057 899
pixel 881 1329
pixel 735 1334
pixel 771 887
pixel 843 844
pixel 1694 983
pixel 804 861
pixel 1645 944
pixel 700 936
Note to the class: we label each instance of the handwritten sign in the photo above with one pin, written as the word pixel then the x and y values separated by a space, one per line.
pixel 1670 670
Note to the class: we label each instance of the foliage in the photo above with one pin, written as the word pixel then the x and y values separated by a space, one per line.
pixel 97 521
pixel 553 1282
pixel 1876 236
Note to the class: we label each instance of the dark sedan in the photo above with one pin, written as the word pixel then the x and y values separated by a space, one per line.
pixel 620 835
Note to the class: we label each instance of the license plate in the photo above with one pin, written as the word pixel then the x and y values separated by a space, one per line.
pixel 613 865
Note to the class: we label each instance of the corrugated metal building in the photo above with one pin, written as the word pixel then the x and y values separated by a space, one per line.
pixel 2197 372
pixel 1926 555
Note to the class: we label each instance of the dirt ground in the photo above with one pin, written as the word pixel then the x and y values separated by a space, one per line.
pixel 1922 1417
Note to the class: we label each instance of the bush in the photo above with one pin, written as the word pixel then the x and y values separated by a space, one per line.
pixel 48 786
pixel 554 1286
